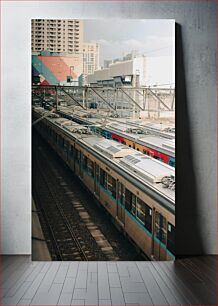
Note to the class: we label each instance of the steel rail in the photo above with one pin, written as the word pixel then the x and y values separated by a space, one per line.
pixel 58 252
pixel 64 217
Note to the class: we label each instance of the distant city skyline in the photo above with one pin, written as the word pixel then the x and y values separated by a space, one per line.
pixel 116 38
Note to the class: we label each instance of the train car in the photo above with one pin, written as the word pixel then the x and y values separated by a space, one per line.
pixel 156 146
pixel 159 129
pixel 137 191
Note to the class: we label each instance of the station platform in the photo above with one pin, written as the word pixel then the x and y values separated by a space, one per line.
pixel 39 247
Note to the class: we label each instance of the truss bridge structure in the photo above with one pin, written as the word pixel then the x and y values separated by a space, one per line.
pixel 150 102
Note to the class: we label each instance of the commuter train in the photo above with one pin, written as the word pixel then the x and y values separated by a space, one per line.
pixel 156 146
pixel 137 191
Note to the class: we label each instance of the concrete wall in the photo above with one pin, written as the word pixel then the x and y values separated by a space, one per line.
pixel 196 208
pixel 54 70
pixel 103 74
pixel 122 68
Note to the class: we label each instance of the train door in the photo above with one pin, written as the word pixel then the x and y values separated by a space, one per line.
pixel 159 236
pixel 121 203
pixel 171 238
pixel 97 180
pixel 151 153
pixel 66 148
pixel 81 165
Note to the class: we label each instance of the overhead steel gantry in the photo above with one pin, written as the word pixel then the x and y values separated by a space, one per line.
pixel 131 98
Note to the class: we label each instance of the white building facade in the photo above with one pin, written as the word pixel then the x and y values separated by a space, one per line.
pixel 139 71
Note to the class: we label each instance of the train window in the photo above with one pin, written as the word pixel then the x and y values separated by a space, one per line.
pixel 77 156
pixel 123 142
pixel 130 201
pixel 66 145
pixel 148 218
pixel 158 158
pixel 172 162
pixel 121 193
pixel 108 135
pixel 133 210
pixel 103 178
pixel 56 137
pixel 97 173
pixel 160 227
pixel 111 185
pixel 137 149
pixel 85 163
pixel 90 166
pixel 171 238
pixel 130 146
pixel 71 150
pixel 60 141
pixel 140 210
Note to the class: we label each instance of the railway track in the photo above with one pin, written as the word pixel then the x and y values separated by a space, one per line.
pixel 67 238
pixel 58 226
pixel 73 228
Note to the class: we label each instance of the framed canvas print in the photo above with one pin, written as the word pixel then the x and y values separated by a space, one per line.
pixel 103 139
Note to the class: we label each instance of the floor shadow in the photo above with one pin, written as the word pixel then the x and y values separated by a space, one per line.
pixel 188 234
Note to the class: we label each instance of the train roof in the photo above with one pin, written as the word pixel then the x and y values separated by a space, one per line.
pixel 145 168
pixel 135 126
pixel 166 146
pixel 151 172
pixel 159 142
pixel 113 149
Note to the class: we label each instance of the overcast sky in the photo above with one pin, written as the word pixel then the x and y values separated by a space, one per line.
pixel 119 37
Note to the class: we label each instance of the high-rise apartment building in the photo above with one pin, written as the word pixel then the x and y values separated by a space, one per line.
pixel 65 36
pixel 90 57
pixel 57 35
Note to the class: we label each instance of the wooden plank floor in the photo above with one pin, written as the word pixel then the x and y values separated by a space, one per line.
pixel 188 281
